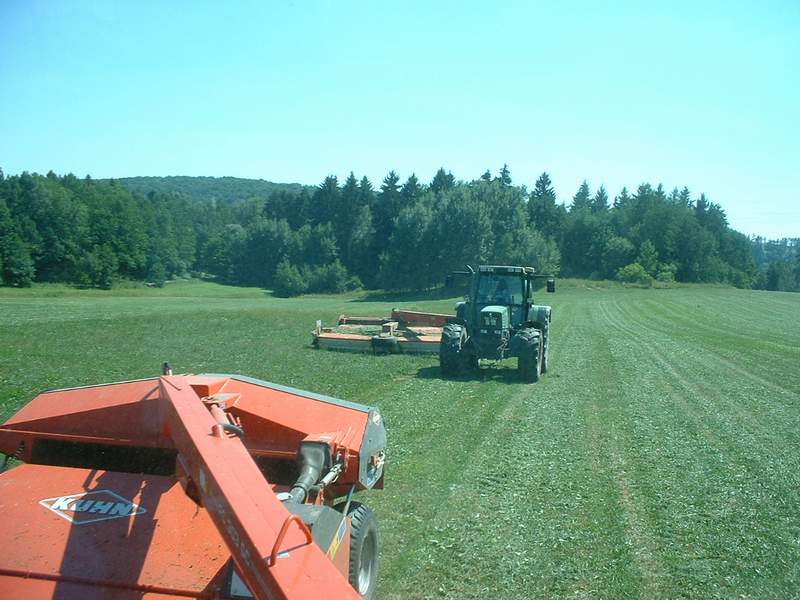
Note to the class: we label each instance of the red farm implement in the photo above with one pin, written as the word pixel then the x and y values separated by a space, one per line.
pixel 405 331
pixel 203 486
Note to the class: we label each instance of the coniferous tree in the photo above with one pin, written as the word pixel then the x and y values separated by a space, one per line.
pixel 505 175
pixel 367 193
pixel 599 203
pixel 544 214
pixel 365 237
pixel 582 198
pixel 685 197
pixel 622 199
pixel 345 222
pixel 443 180
pixel 387 207
pixel 326 201
pixel 411 190
pixel 700 209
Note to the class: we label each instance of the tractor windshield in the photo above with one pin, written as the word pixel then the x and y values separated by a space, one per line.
pixel 504 290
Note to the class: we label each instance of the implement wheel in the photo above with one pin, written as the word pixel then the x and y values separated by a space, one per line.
pixel 363 549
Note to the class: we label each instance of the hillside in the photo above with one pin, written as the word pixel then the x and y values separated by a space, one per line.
pixel 224 189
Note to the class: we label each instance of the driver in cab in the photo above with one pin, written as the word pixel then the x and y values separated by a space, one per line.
pixel 502 294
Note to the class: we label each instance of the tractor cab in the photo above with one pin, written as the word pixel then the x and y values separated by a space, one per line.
pixel 502 293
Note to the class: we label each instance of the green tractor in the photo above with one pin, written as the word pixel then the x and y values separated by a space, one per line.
pixel 498 320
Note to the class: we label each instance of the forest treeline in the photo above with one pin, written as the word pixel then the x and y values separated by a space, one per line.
pixel 404 235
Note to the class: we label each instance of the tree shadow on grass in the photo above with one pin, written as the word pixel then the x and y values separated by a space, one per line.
pixel 441 293
pixel 492 373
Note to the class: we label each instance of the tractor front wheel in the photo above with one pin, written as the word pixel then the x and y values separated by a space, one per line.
pixel 451 359
pixel 529 362
pixel 363 574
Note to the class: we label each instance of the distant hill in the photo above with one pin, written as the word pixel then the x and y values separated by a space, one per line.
pixel 222 189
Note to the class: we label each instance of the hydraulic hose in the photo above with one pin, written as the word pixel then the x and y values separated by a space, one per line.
pixel 312 458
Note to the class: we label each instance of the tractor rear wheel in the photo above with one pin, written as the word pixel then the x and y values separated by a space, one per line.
pixel 363 549
pixel 529 363
pixel 545 354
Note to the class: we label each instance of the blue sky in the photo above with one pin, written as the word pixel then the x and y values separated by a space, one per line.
pixel 700 94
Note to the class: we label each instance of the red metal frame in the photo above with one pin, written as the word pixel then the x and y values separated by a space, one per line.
pixel 246 512
pixel 189 415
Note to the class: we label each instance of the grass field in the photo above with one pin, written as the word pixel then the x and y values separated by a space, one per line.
pixel 659 458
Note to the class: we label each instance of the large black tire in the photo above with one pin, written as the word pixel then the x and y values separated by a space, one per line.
pixel 545 354
pixel 472 361
pixel 364 541
pixel 529 363
pixel 451 359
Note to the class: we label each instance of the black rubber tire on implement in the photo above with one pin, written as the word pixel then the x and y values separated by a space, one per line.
pixel 385 344
pixel 364 540
pixel 529 363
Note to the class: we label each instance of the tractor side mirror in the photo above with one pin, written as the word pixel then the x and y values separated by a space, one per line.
pixel 551 285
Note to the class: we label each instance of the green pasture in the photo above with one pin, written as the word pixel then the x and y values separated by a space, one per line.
pixel 659 458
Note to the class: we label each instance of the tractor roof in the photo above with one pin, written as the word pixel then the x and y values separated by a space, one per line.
pixel 505 269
